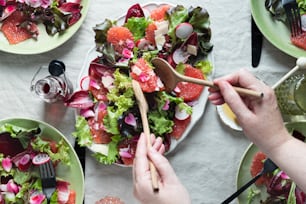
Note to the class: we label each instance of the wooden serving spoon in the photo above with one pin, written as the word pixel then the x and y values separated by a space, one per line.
pixel 144 108
pixel 170 78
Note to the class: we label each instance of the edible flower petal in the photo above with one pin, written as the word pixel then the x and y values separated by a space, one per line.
pixel 166 106
pixel 12 187
pixel 7 164
pixel 126 53
pixel 2 2
pixel 130 120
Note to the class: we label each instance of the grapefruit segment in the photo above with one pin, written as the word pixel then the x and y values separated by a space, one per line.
pixel 11 29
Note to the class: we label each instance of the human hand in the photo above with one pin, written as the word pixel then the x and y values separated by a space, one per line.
pixel 170 188
pixel 260 118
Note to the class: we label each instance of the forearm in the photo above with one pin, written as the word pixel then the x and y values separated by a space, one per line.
pixel 290 156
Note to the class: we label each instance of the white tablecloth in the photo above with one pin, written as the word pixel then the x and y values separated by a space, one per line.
pixel 207 161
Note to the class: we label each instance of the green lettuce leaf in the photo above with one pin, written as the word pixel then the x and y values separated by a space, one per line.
pixel 137 25
pixel 82 132
pixel 61 155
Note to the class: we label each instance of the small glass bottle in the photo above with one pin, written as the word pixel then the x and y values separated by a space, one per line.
pixel 53 85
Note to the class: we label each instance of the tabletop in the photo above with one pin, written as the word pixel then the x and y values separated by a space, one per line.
pixel 208 159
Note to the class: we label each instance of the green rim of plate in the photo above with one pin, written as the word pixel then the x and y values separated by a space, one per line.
pixel 244 175
pixel 276 32
pixel 74 173
pixel 44 42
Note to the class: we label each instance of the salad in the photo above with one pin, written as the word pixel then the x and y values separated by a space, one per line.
pixel 279 187
pixel 109 121
pixel 22 151
pixel 19 19
pixel 277 11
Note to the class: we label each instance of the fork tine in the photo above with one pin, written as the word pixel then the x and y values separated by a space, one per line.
pixel 297 25
pixel 294 18
pixel 48 179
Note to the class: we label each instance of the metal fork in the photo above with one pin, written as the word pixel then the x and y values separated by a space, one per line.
pixel 293 16
pixel 48 180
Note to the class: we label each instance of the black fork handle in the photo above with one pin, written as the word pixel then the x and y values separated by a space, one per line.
pixel 240 190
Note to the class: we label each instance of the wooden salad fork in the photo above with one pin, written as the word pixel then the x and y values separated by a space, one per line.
pixel 293 16
pixel 48 179
pixel 144 108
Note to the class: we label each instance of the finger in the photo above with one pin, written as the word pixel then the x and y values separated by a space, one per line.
pixel 216 98
pixel 157 143
pixel 232 98
pixel 141 164
pixel 163 166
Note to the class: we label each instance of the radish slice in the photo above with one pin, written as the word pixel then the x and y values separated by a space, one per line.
pixel 84 83
pixel 179 55
pixel 37 198
pixel 183 30
pixel 143 44
pixel 25 162
pixel 40 159
pixel 181 114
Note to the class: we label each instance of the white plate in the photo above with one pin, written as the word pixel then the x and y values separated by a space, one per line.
pixel 44 42
pixel 228 121
pixel 198 108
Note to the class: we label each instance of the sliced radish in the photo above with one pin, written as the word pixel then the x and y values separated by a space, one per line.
pixel 143 44
pixel 180 56
pixel 181 114
pixel 303 22
pixel 183 30
pixel 24 163
pixel 37 197
pixel 84 83
pixel 40 159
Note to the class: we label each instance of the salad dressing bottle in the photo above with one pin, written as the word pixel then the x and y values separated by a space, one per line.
pixel 53 87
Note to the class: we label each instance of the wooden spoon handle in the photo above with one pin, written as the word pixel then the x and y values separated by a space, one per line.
pixel 146 131
pixel 241 91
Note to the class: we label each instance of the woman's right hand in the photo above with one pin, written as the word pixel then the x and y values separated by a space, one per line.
pixel 260 119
